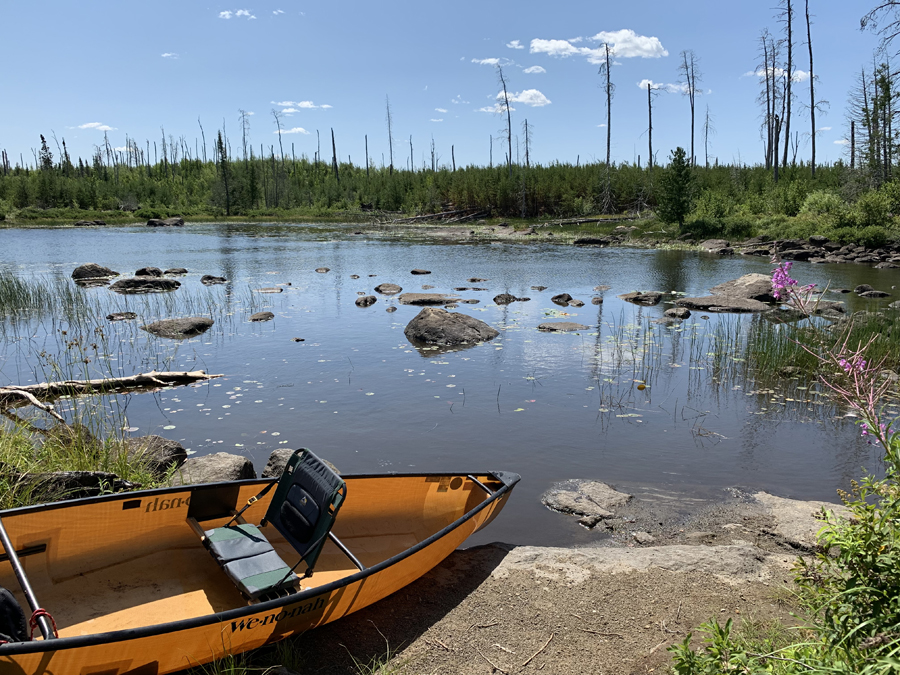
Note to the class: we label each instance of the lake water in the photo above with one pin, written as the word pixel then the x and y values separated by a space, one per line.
pixel 548 406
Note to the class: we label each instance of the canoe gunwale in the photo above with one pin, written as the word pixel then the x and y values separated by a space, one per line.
pixel 507 479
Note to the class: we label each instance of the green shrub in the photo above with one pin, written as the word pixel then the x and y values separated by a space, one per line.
pixel 872 237
pixel 713 204
pixel 872 209
pixel 822 203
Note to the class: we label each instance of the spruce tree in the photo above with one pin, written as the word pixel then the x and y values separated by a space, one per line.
pixel 675 189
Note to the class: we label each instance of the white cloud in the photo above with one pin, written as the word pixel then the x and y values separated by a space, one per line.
pixel 296 106
pixel 531 97
pixel 671 88
pixel 534 69
pixel 824 129
pixel 295 130
pixel 628 44
pixel 843 141
pixel 278 11
pixel 496 108
pixel 625 43
pixel 457 100
pixel 437 120
pixel 440 110
pixel 515 44
pixel 227 14
pixel 125 148
pixel 96 125
pixel 799 75
pixel 169 55
pixel 493 62
pixel 601 125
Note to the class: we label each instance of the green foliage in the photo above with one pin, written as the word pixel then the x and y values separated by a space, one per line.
pixel 873 209
pixel 675 193
pixel 823 203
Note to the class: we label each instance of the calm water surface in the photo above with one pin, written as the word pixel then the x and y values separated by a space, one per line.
pixel 548 406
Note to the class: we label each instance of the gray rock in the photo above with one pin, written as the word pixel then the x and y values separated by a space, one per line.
pixel 216 468
pixel 886 266
pixel 874 294
pixel 136 285
pixel 818 240
pixel 166 222
pixel 90 223
pixel 714 245
pixel 391 309
pixel 175 271
pixel 700 537
pixel 388 289
pixel 504 299
pixel 585 498
pixel 677 312
pixel 753 286
pixel 149 272
pixel 595 241
pixel 539 288
pixel 575 303
pixel 561 326
pixel 863 288
pixel 270 289
pixel 477 280
pixel 602 288
pixel 723 303
pixel 157 453
pixel 419 271
pixel 93 271
pixel 438 326
pixel 597 300
pixel 563 299
pixel 425 299
pixel 823 307
pixel 366 301
pixel 323 270
pixel 262 316
pixel 796 521
pixel 179 329
pixel 121 316
pixel 278 460
pixel 644 538
pixel 57 485
pixel 648 298
pixel 210 280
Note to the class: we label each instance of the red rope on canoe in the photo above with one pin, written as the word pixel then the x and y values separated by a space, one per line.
pixel 33 621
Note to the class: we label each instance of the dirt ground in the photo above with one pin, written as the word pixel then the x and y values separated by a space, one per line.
pixel 610 609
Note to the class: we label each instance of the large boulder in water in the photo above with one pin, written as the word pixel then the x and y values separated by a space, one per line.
pixel 179 329
pixel 144 285
pixel 438 326
pixel 93 271
pixel 166 222
pixel 753 286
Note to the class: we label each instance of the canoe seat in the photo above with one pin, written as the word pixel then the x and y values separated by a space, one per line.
pixel 303 509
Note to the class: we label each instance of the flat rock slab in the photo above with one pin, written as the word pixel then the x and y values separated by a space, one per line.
pixel 561 326
pixel 425 299
pixel 440 327
pixel 648 298
pixel 179 329
pixel 176 271
pixel 723 303
pixel 137 285
pixel 732 564
pixel 797 521
pixel 262 316
pixel 585 498
pixel 93 271
pixel 753 286
pixel 215 468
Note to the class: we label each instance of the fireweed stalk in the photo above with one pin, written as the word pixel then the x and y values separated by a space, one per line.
pixel 786 290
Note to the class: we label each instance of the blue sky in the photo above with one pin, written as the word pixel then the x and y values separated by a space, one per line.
pixel 129 68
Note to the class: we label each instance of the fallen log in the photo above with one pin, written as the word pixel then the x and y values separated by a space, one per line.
pixel 18 395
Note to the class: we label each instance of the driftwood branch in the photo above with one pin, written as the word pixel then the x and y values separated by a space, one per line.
pixel 33 394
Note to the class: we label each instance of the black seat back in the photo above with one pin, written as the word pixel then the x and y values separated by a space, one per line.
pixel 305 503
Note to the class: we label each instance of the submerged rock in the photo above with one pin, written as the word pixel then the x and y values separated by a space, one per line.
pixel 723 303
pixel 121 316
pixel 424 299
pixel 585 498
pixel 648 298
pixel 438 326
pixel 561 326
pixel 179 329
pixel 210 280
pixel 135 285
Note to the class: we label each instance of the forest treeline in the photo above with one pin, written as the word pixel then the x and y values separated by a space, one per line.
pixel 728 200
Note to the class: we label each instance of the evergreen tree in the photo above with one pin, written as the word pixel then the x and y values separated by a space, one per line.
pixel 675 189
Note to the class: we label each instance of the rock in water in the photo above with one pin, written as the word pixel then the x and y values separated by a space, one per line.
pixel 93 271
pixel 144 285
pixel 262 316
pixel 121 316
pixel 176 271
pixel 166 222
pixel 753 286
pixel 388 289
pixel 179 329
pixel 648 298
pixel 366 301
pixel 424 299
pixel 438 326
pixel 420 271
pixel 210 280
pixel 561 326
pixel 149 272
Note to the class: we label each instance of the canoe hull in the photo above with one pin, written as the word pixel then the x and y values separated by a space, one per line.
pixel 174 646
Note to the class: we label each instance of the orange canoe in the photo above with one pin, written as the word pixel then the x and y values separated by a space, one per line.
pixel 133 591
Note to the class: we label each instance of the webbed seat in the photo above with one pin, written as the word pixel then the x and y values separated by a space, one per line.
pixel 303 509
